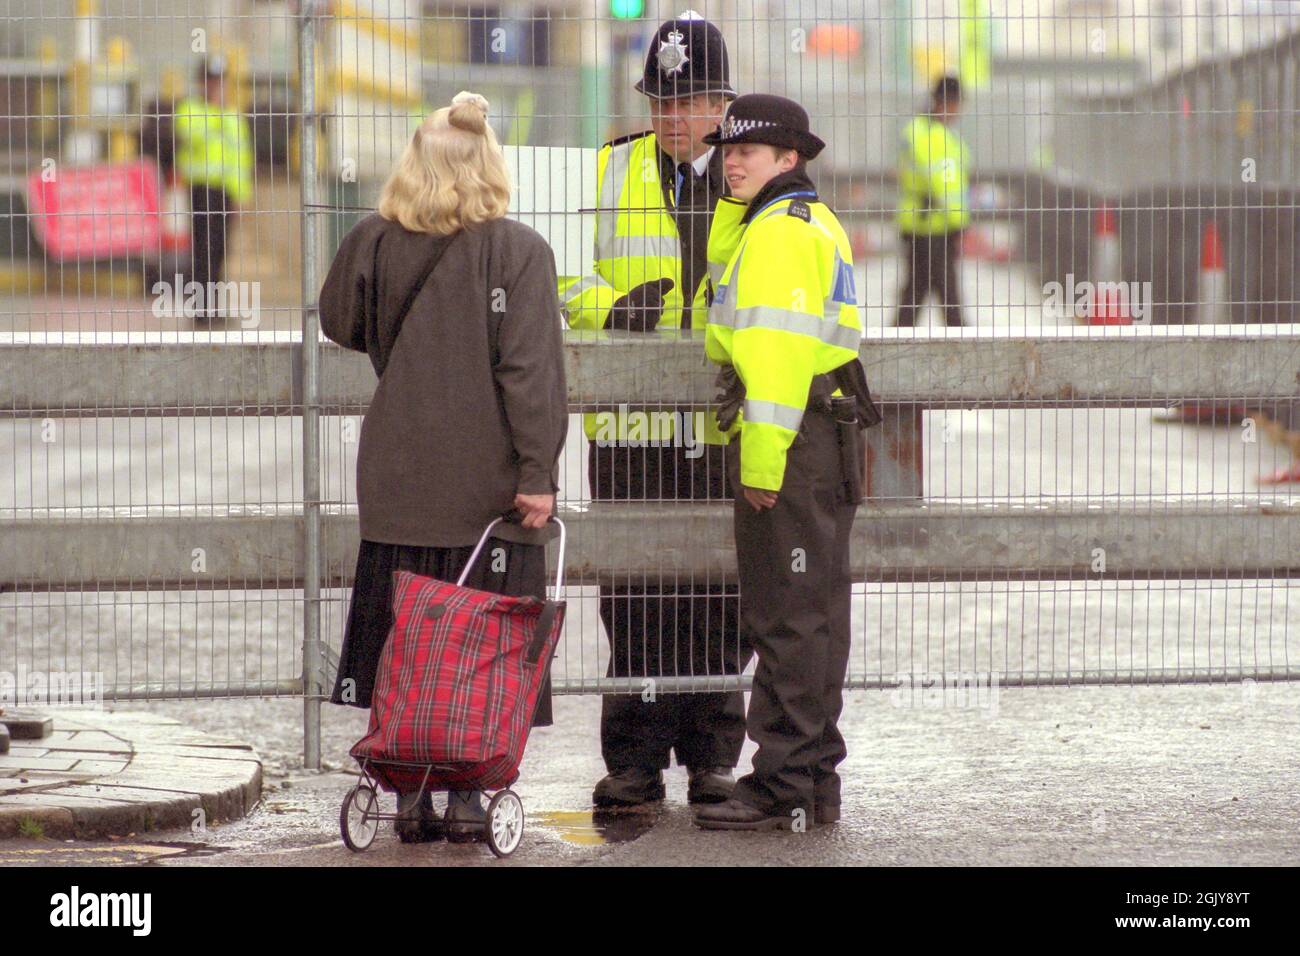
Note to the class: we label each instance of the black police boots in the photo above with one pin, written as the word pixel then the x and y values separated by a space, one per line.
pixel 629 788
pixel 737 815
pixel 709 785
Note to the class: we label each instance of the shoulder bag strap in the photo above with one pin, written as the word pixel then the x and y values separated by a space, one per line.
pixel 386 335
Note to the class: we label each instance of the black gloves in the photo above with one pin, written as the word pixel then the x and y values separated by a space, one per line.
pixel 640 309
pixel 730 398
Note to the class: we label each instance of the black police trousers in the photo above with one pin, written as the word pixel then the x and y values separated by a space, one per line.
pixel 930 265
pixel 682 628
pixel 211 207
pixel 796 589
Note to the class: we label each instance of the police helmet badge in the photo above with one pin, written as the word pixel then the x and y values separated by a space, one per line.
pixel 672 53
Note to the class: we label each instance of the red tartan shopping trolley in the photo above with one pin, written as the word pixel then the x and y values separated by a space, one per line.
pixel 454 698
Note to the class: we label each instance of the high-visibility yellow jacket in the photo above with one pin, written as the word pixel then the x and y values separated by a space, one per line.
pixel 975 39
pixel 214 147
pixel 933 179
pixel 636 241
pixel 784 310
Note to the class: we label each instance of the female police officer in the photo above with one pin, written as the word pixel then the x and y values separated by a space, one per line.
pixel 785 326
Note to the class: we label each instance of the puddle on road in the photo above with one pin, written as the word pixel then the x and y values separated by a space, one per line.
pixel 189 850
pixel 140 853
pixel 597 827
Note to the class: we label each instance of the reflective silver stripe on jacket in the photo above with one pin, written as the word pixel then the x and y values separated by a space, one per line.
pixel 758 412
pixel 825 329
pixel 611 187
pixel 641 247
pixel 723 309
pixel 587 282
pixel 609 244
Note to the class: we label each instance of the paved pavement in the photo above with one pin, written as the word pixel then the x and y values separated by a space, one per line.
pixel 99 773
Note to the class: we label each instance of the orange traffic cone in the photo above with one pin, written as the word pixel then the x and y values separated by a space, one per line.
pixel 1212 307
pixel 175 215
pixel 1213 299
pixel 1109 305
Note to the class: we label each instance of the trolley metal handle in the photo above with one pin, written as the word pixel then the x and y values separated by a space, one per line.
pixel 559 569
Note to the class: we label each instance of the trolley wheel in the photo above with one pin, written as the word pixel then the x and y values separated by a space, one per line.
pixel 358 818
pixel 505 823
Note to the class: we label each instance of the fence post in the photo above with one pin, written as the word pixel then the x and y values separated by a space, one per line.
pixel 310 359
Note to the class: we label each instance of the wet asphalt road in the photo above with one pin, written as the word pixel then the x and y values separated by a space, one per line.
pixel 1148 776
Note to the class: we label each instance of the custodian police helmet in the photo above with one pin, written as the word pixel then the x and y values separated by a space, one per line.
pixel 687 56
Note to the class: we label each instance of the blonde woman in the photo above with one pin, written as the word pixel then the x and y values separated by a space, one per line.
pixel 456 307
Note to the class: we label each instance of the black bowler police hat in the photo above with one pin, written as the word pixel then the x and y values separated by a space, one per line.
pixel 687 56
pixel 763 118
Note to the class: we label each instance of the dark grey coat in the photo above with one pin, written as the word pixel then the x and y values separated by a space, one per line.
pixel 470 408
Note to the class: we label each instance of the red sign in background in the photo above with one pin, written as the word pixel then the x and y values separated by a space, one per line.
pixel 93 212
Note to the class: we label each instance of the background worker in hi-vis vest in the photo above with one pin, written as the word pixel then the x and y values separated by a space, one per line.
pixel 656 192
pixel 933 205
pixel 214 157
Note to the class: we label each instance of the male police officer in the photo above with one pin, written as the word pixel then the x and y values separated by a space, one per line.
pixel 656 193
pixel 214 156
pixel 933 207
pixel 785 325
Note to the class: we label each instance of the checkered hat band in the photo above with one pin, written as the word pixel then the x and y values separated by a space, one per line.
pixel 734 126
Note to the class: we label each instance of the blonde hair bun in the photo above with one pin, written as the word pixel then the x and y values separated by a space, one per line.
pixel 452 174
pixel 469 112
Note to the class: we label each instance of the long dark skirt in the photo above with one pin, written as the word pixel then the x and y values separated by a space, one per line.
pixel 370 617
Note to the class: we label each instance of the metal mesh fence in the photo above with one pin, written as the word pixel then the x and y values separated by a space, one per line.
pixel 1090 480
pixel 118 505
